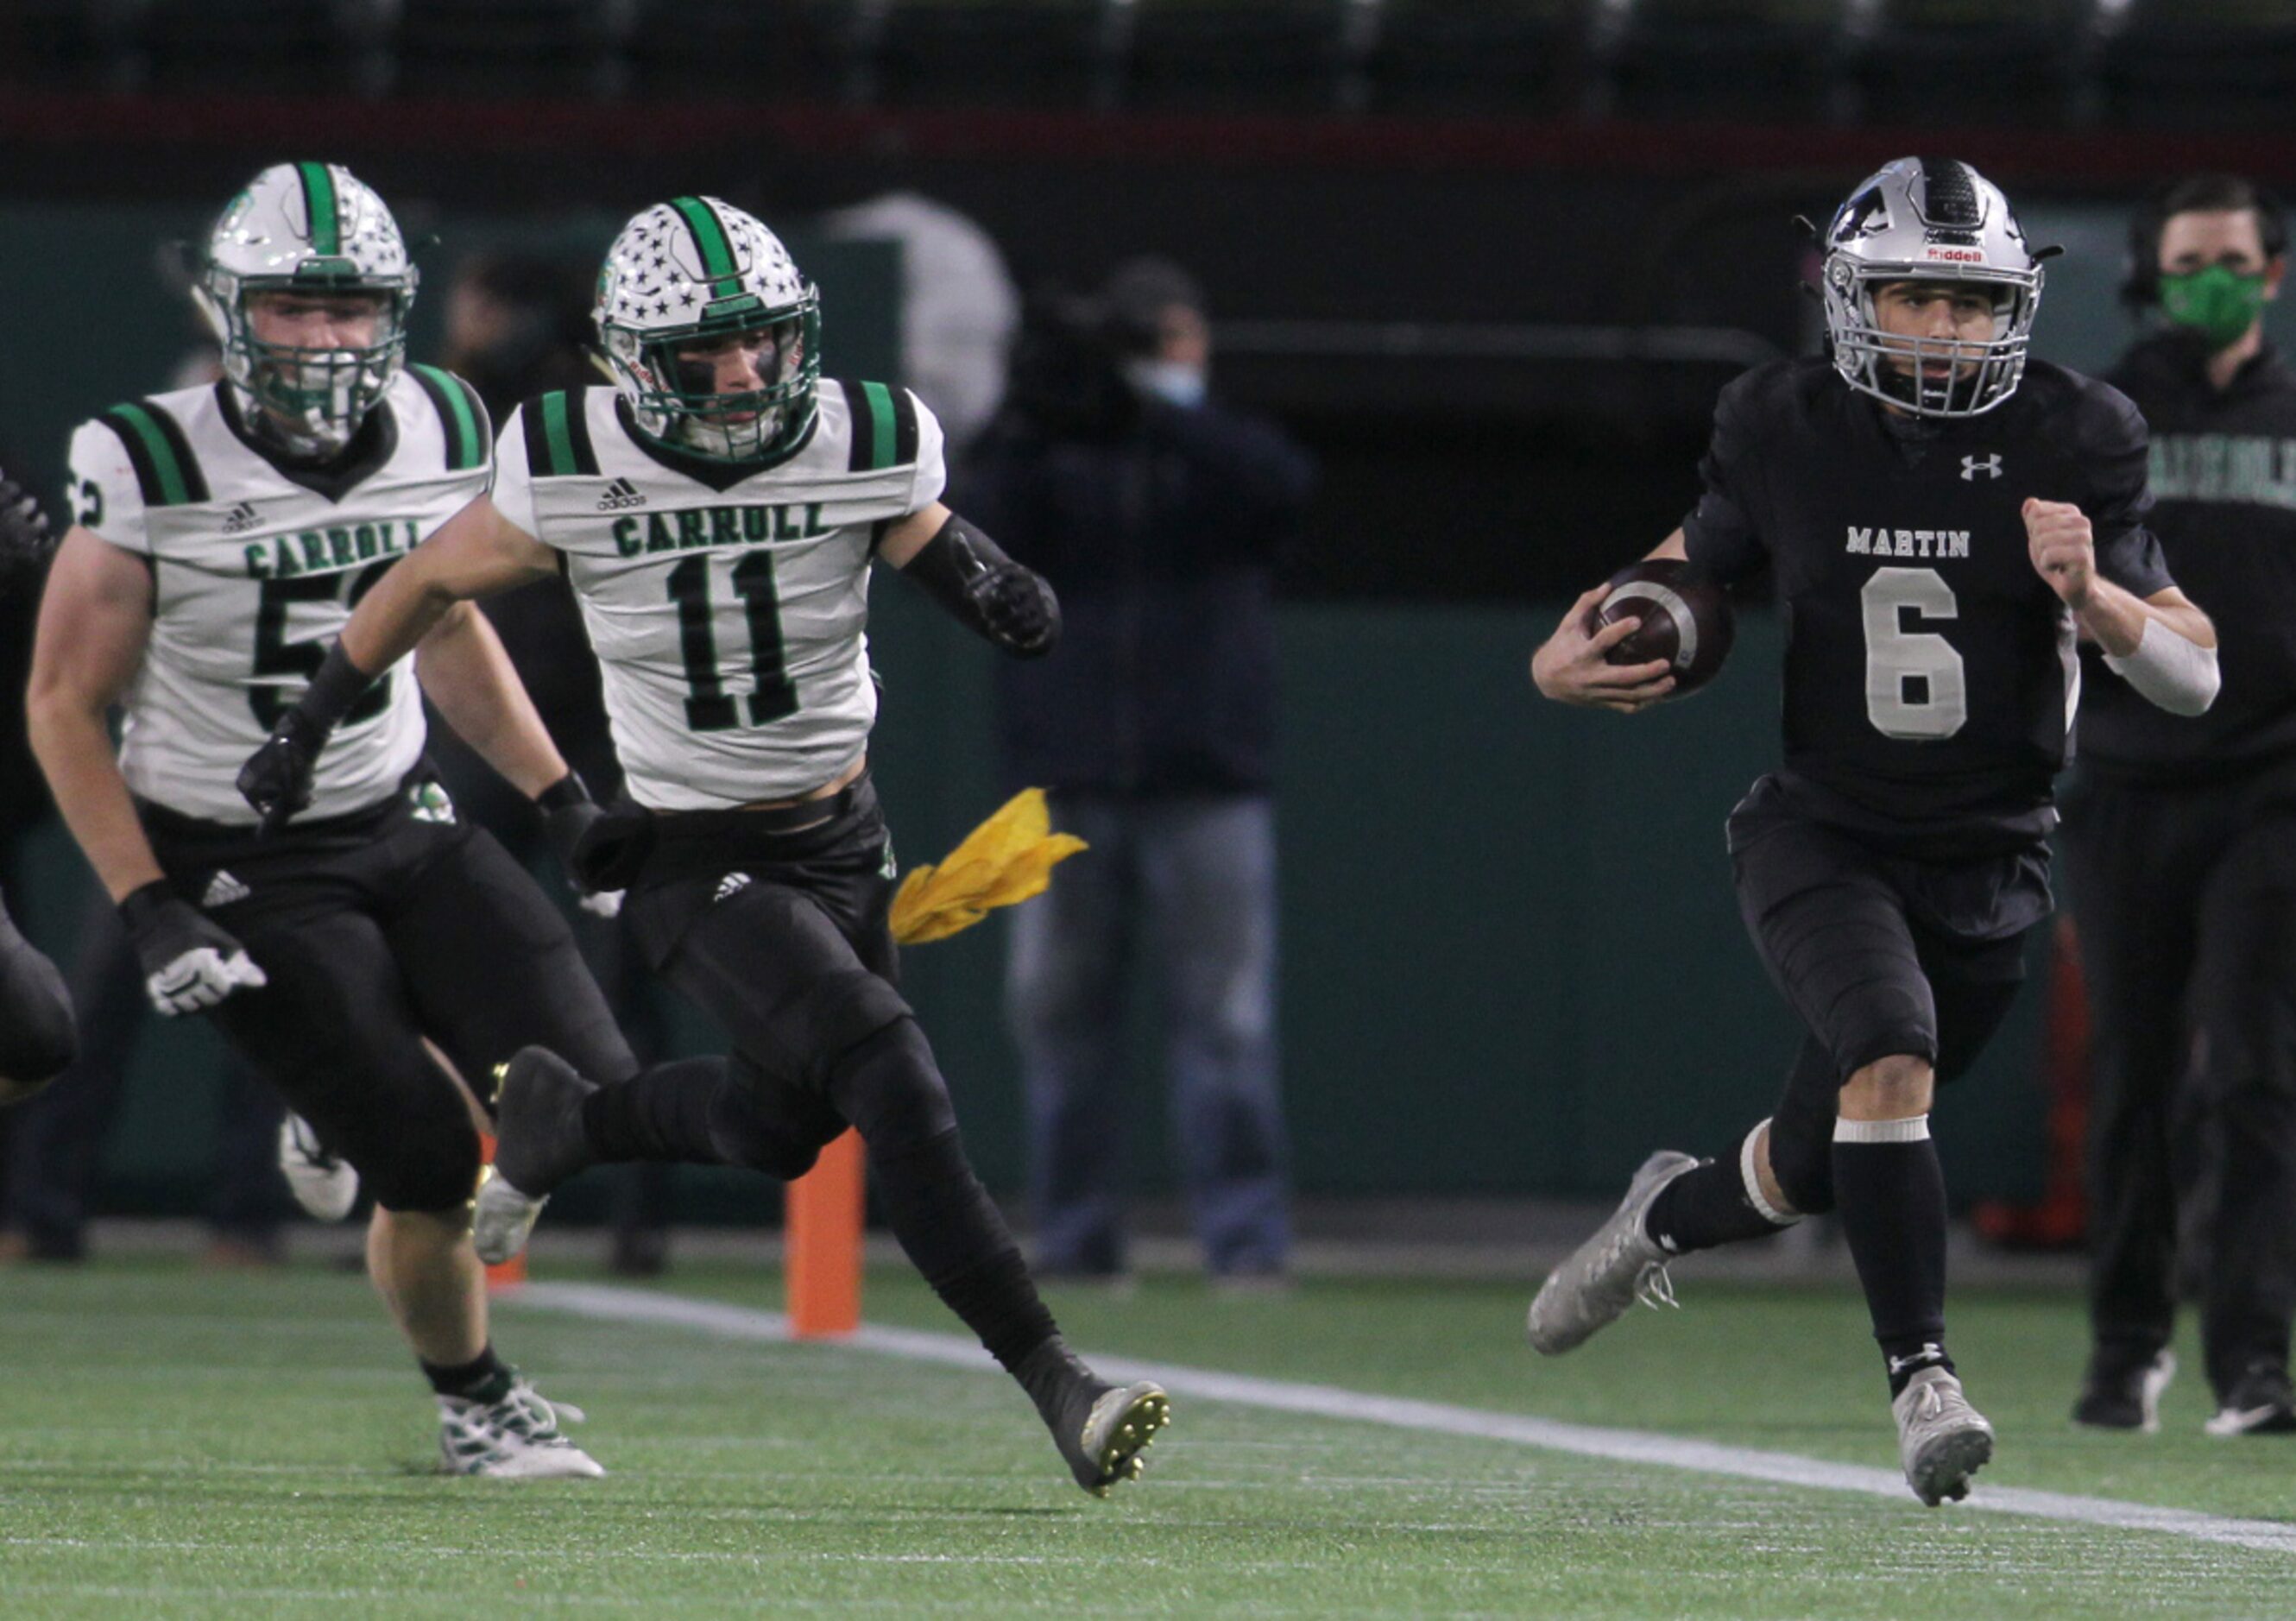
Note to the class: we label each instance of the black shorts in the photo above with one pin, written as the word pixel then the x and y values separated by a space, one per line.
pixel 1882 954
pixel 377 931
pixel 781 933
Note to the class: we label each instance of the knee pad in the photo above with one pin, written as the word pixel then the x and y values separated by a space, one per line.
pixel 425 1162
pixel 891 1088
pixel 772 1128
pixel 1802 1157
pixel 849 1008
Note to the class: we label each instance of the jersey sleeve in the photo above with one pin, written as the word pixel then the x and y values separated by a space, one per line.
pixel 1719 535
pixel 931 474
pixel 103 496
pixel 513 483
pixel 2117 453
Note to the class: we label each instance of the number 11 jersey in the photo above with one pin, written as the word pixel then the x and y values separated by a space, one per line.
pixel 1930 677
pixel 727 602
pixel 256 563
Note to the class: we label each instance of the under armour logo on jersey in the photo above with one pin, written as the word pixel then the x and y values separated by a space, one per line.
pixel 732 884
pixel 621 496
pixel 222 890
pixel 1971 466
pixel 241 519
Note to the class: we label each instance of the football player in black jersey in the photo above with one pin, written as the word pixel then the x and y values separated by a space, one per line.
pixel 1943 518
pixel 2180 843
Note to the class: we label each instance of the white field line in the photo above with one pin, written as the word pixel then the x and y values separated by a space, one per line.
pixel 1434 1418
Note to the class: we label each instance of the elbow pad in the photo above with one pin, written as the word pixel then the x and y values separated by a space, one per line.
pixel 2177 675
pixel 965 572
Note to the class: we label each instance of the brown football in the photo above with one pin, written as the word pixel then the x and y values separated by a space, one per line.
pixel 1686 621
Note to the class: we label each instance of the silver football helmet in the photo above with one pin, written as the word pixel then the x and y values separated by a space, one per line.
pixel 1931 220
pixel 690 271
pixel 316 228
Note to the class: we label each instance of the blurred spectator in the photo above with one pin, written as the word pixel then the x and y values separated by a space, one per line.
pixel 518 326
pixel 2181 842
pixel 1157 515
pixel 958 307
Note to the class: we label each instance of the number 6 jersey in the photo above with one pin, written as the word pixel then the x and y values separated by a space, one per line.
pixel 256 563
pixel 1929 671
pixel 727 601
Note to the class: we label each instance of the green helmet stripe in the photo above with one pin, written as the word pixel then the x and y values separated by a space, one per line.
pixel 319 208
pixel 717 253
pixel 167 470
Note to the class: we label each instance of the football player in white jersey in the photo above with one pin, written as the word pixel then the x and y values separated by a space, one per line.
pixel 717 512
pixel 222 535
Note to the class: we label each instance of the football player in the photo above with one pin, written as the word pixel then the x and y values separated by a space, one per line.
pixel 1943 518
pixel 222 533
pixel 2180 845
pixel 717 512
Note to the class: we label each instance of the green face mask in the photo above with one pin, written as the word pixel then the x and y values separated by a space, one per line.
pixel 2219 303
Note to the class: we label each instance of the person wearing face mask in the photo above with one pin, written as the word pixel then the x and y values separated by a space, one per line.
pixel 1156 512
pixel 2180 840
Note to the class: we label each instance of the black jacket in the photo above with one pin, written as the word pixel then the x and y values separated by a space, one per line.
pixel 1162 546
pixel 2224 487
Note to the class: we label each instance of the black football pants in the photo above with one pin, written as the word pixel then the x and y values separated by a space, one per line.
pixel 2185 900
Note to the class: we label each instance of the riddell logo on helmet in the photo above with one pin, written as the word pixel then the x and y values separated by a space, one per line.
pixel 1955 256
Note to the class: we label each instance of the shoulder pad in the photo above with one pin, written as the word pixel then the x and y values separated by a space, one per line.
pixel 470 435
pixel 166 471
pixel 558 435
pixel 884 428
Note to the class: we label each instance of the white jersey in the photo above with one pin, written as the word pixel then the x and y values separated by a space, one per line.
pixel 729 605
pixel 255 566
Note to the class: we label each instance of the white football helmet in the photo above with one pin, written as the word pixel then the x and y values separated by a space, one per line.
pixel 1929 219
pixel 691 270
pixel 308 227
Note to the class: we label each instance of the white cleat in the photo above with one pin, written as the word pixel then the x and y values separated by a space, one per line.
pixel 501 1218
pixel 1610 1271
pixel 515 1438
pixel 324 1183
pixel 1941 1439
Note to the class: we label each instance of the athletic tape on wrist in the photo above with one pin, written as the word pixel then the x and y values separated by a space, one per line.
pixel 1916 1130
pixel 2171 671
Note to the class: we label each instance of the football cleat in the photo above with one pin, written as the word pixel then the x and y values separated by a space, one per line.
pixel 323 1183
pixel 2261 1403
pixel 1610 1271
pixel 1941 1439
pixel 1101 1429
pixel 538 1143
pixel 2117 1396
pixel 514 1439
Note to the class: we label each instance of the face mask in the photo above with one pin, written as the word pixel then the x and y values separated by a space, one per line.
pixel 2218 303
pixel 1173 381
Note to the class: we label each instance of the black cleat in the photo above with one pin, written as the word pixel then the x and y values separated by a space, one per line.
pixel 1101 1429
pixel 2121 1395
pixel 2261 1403
pixel 538 1143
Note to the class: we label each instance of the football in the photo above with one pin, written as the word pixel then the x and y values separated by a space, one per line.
pixel 1685 621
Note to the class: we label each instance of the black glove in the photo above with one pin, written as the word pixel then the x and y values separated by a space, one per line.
pixel 568 815
pixel 189 964
pixel 26 541
pixel 1019 608
pixel 276 779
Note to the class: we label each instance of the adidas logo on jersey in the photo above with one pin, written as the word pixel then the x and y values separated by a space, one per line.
pixel 621 496
pixel 241 519
pixel 732 884
pixel 222 890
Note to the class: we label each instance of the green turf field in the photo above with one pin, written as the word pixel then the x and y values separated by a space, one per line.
pixel 180 1443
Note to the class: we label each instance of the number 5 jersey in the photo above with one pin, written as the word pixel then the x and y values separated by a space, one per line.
pixel 727 601
pixel 256 562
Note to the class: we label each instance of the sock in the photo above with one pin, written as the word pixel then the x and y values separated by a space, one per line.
pixel 483 1379
pixel 662 1114
pixel 956 1237
pixel 1720 1202
pixel 1890 1191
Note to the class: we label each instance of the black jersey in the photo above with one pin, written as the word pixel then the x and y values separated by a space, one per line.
pixel 1930 673
pixel 2224 475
